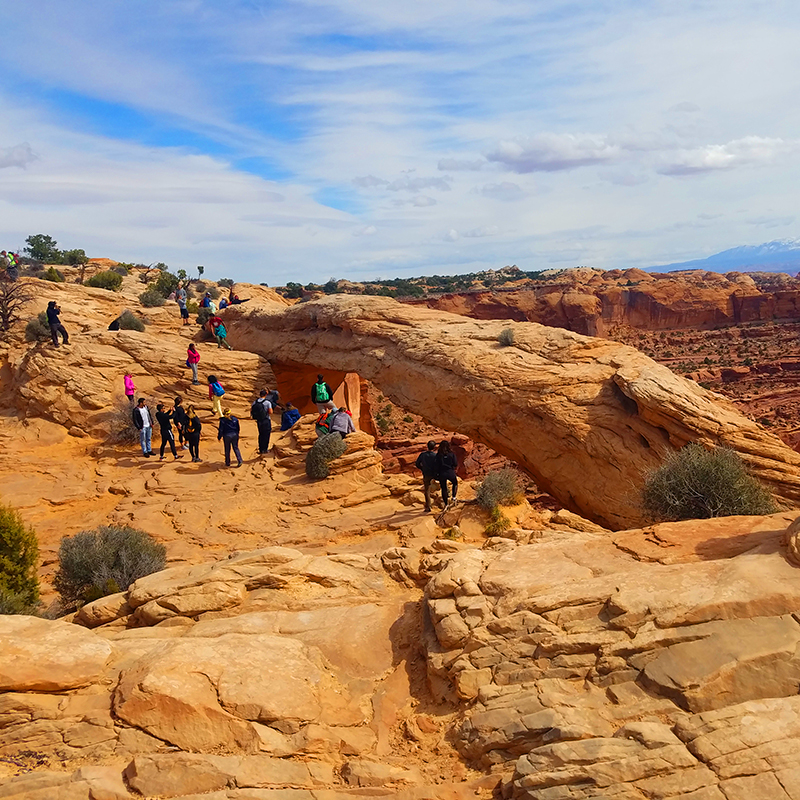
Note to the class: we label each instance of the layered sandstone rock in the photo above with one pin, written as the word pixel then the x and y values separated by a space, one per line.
pixel 586 417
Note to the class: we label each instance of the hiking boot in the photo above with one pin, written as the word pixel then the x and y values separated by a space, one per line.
pixel 240 464
pixel 147 455
pixel 161 458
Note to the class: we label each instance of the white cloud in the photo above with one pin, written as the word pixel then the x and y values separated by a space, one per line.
pixel 502 191
pixel 551 152
pixel 406 184
pixel 369 182
pixel 460 165
pixel 18 156
pixel 480 233
pixel 451 235
pixel 751 150
pixel 368 230
pixel 423 201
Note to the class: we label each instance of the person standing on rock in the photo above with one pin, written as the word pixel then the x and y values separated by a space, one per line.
pixel 130 389
pixel 54 321
pixel 192 360
pixel 179 418
pixel 446 465
pixel 167 437
pixel 260 411
pixel 192 428
pixel 321 394
pixel 229 433
pixel 215 392
pixel 144 424
pixel 180 297
pixel 289 417
pixel 428 464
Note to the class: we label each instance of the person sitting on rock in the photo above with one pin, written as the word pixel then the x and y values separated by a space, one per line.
pixel 342 422
pixel 428 464
pixel 229 433
pixel 447 464
pixel 321 394
pixel 167 437
pixel 289 417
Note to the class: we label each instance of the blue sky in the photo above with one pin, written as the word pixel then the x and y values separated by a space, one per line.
pixel 346 138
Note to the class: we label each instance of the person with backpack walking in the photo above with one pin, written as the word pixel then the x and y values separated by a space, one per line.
pixel 260 411
pixel 215 392
pixel 321 394
pixel 229 433
pixel 144 424
pixel 192 360
pixel 130 389
pixel 54 321
pixel 167 437
pixel 289 417
pixel 427 464
pixel 446 466
pixel 192 428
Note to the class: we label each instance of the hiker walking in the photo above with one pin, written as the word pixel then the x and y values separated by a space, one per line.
pixel 229 433
pixel 54 321
pixel 447 464
pixel 215 392
pixel 321 394
pixel 428 464
pixel 144 424
pixel 220 332
pixel 179 418
pixel 167 437
pixel 191 430
pixel 260 411
pixel 289 417
pixel 130 389
pixel 192 360
pixel 181 298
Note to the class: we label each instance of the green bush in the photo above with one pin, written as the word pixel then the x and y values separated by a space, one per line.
pixel 121 429
pixel 166 283
pixel 203 314
pixel 19 552
pixel 501 487
pixel 128 321
pixel 226 282
pixel 104 561
pixel 54 275
pixel 37 329
pixel 506 337
pixel 150 298
pixel 121 269
pixel 106 280
pixel 499 523
pixel 325 450
pixel 74 258
pixel 696 483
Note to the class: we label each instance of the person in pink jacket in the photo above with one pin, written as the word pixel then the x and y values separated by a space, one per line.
pixel 192 360
pixel 130 389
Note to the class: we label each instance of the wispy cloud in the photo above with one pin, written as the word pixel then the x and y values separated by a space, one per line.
pixel 18 156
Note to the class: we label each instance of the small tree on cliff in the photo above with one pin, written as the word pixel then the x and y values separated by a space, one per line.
pixel 14 296
pixel 19 552
pixel 696 483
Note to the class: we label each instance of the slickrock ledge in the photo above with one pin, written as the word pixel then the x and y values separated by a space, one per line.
pixel 586 417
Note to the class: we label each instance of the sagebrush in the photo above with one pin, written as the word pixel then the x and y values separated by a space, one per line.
pixel 121 429
pixel 128 321
pixel 19 553
pixel 500 487
pixel 106 280
pixel 325 449
pixel 93 564
pixel 54 275
pixel 506 337
pixel 500 522
pixel 37 329
pixel 699 483
pixel 150 298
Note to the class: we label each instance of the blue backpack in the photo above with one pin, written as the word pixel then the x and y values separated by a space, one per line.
pixel 216 387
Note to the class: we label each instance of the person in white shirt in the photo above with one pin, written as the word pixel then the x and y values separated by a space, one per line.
pixel 144 424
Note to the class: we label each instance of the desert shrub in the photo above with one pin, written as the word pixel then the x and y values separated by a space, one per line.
pixel 121 269
pixel 506 337
pixel 214 292
pixel 226 282
pixel 19 552
pixel 499 523
pixel 500 487
pixel 696 483
pixel 106 280
pixel 150 298
pixel 37 329
pixel 203 315
pixel 54 275
pixel 192 307
pixel 104 561
pixel 121 429
pixel 200 286
pixel 128 321
pixel 166 283
pixel 325 449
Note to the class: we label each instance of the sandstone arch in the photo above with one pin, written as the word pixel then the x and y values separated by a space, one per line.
pixel 586 417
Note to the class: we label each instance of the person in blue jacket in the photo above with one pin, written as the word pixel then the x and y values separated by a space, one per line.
pixel 229 433
pixel 289 417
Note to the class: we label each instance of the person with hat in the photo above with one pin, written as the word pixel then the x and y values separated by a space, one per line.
pixel 229 433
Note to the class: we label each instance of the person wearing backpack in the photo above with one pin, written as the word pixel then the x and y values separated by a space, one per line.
pixel 229 433
pixel 260 411
pixel 215 392
pixel 321 394
pixel 427 464
pixel 192 428
pixel 447 464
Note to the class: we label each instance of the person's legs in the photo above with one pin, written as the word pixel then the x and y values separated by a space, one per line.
pixel 194 445
pixel 130 398
pixel 227 443
pixel 219 342
pixel 454 481
pixel 194 373
pixel 171 440
pixel 264 432
pixel 235 444
pixel 165 437
pixel 54 334
pixel 143 441
pixel 64 335
pixel 216 405
pixel 427 482
pixel 443 487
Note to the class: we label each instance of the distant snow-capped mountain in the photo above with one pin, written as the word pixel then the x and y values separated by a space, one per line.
pixel 781 255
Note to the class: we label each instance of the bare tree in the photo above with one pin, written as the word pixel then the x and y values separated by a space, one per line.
pixel 14 296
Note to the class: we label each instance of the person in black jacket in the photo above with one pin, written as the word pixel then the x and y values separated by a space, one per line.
pixel 191 430
pixel 260 411
pixel 143 423
pixel 427 463
pixel 322 394
pixel 179 418
pixel 167 437
pixel 54 321
pixel 447 464
pixel 229 433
